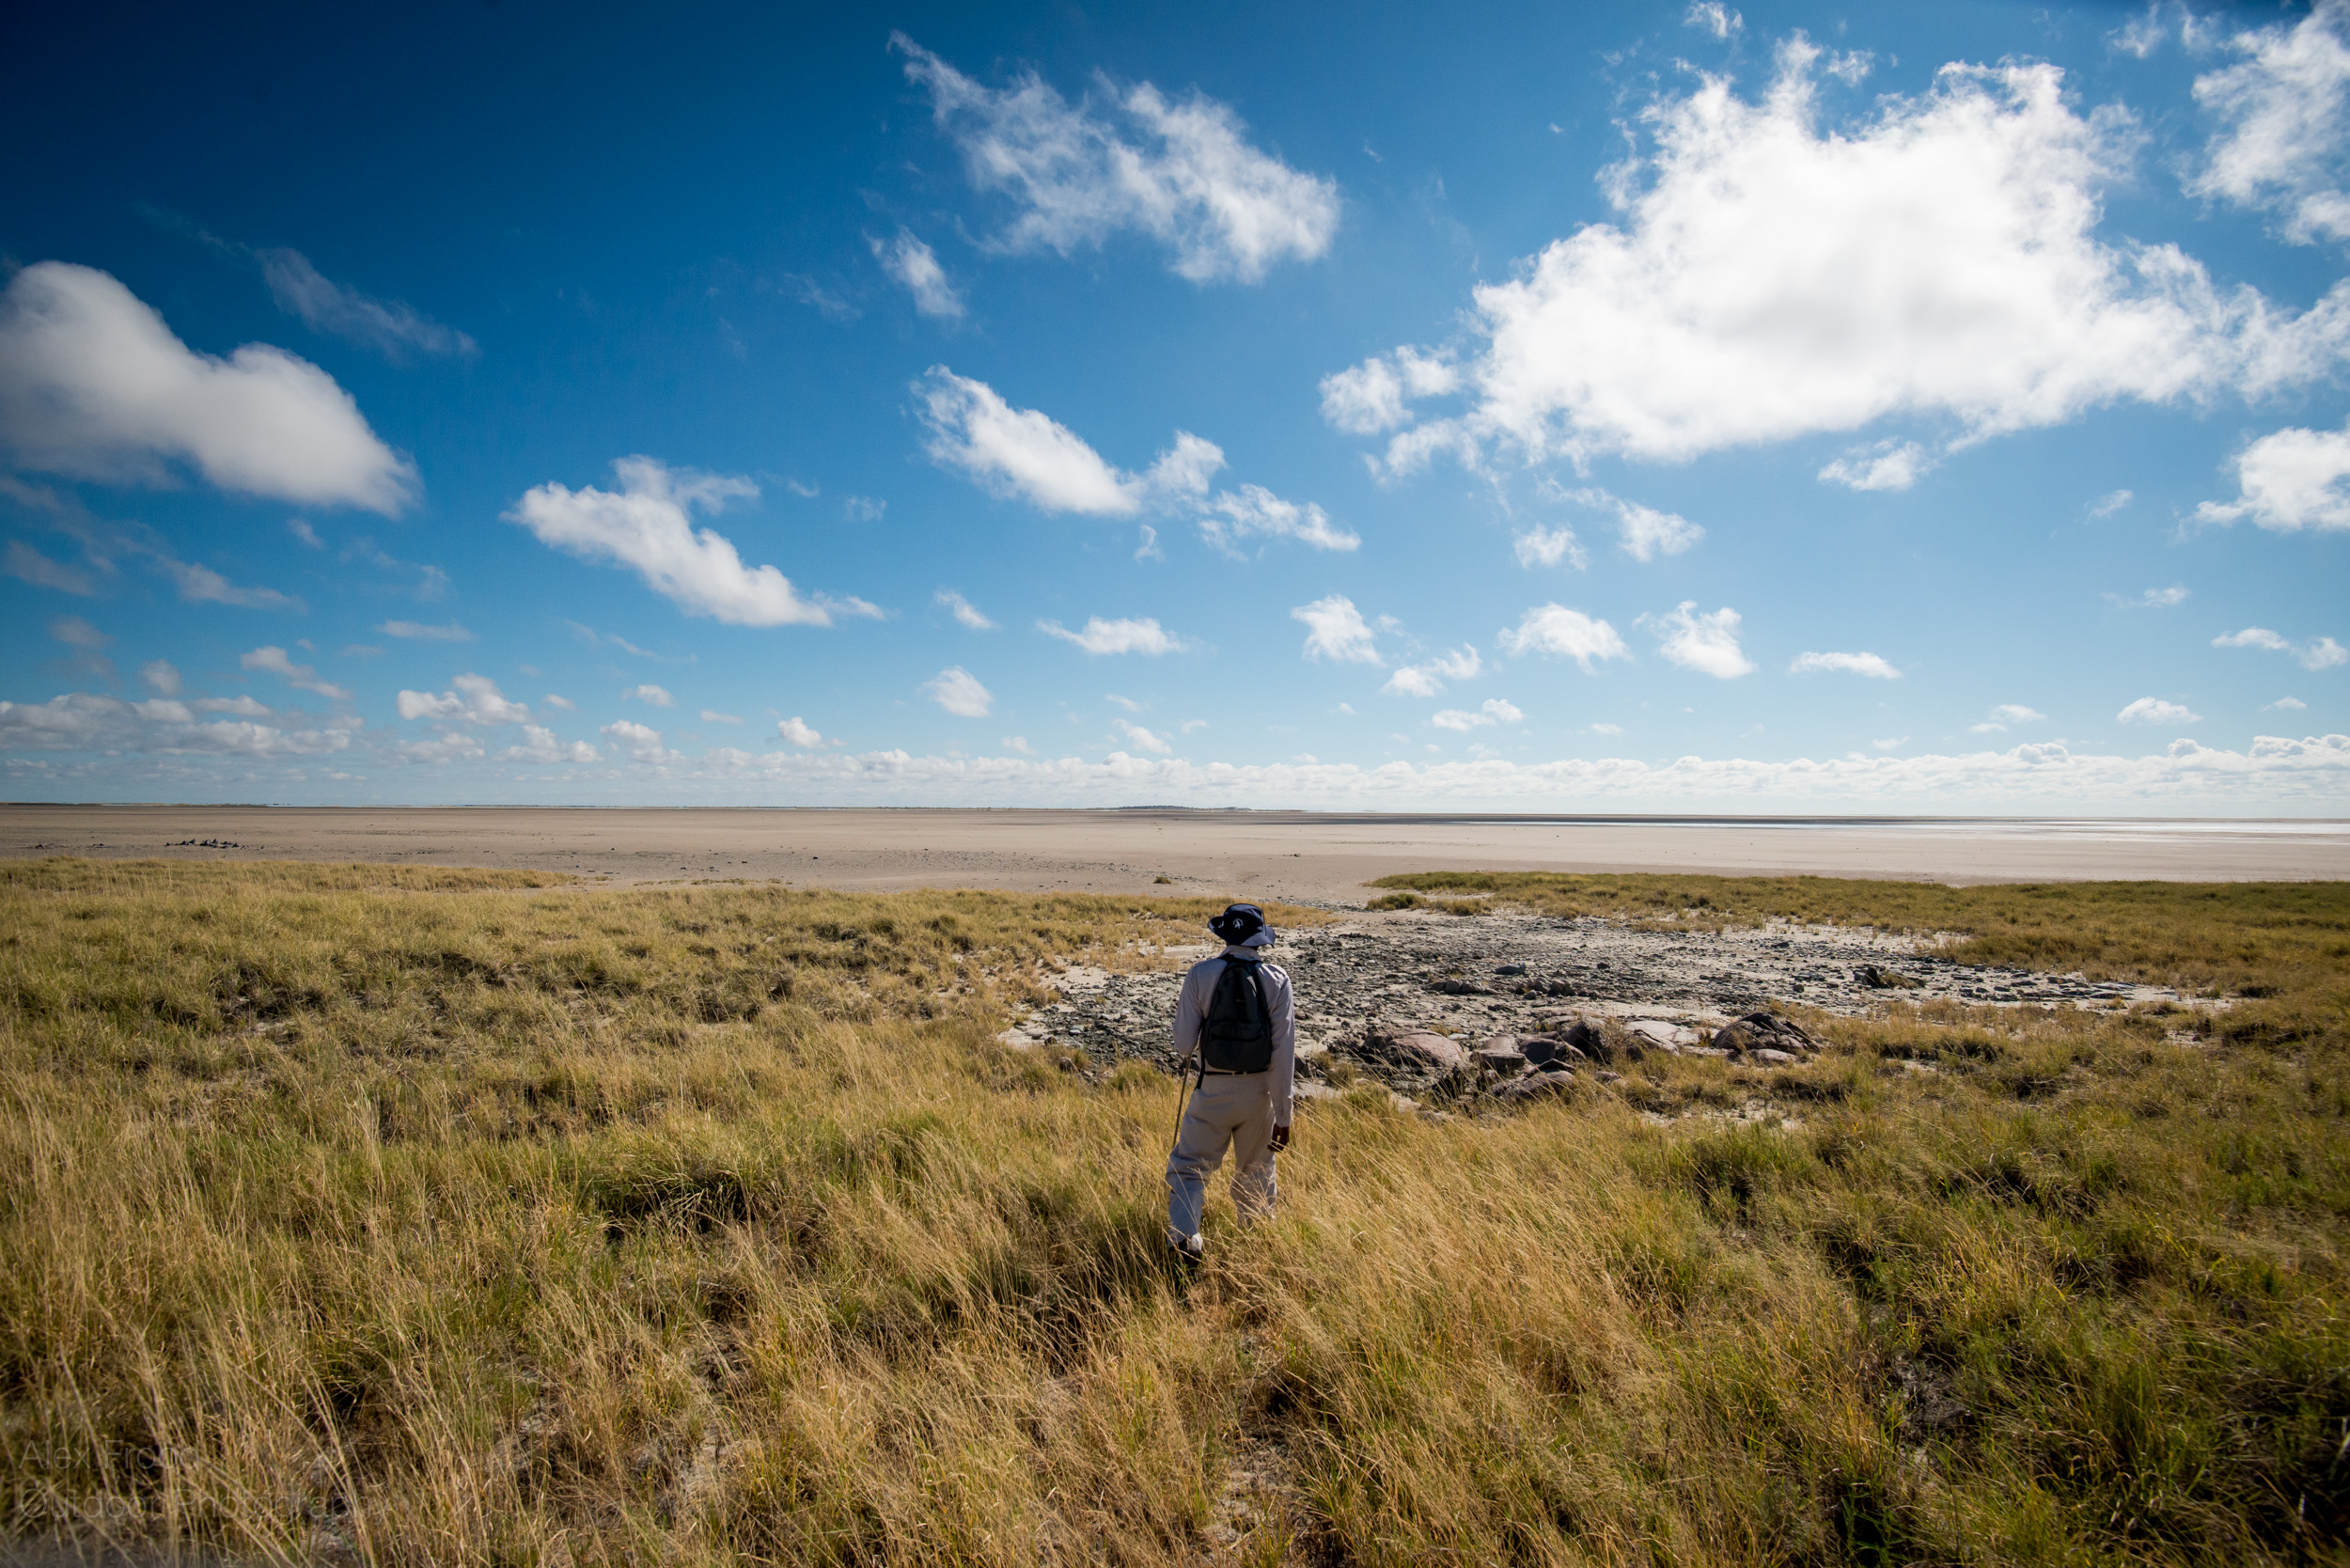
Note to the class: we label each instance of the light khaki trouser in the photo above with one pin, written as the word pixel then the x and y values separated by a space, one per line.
pixel 1228 1108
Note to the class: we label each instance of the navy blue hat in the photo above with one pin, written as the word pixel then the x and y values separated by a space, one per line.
pixel 1242 925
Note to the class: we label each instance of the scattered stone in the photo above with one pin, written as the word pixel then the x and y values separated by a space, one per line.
pixel 1621 993
pixel 1658 1032
pixel 1878 979
pixel 1769 1058
pixel 1421 1050
pixel 1765 1031
pixel 1534 1085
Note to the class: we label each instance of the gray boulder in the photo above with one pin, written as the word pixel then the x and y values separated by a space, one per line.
pixel 1426 1052
pixel 1761 1032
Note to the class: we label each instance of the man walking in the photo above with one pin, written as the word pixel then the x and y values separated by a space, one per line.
pixel 1236 1011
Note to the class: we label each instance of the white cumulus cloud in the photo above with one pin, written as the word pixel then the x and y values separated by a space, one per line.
pixel 1569 634
pixel 801 733
pixel 1025 452
pixel 161 677
pixel 539 745
pixel 1705 643
pixel 2153 709
pixel 2322 653
pixel 1843 663
pixel 1099 636
pixel 958 691
pixel 1646 533
pixel 647 525
pixel 915 265
pixel 1545 546
pixel 1181 171
pixel 642 743
pixel 1372 397
pixel 1335 631
pixel 1886 465
pixel 657 697
pixel 475 698
pixel 1428 677
pixel 93 384
pixel 1254 510
pixel 2284 118
pixel 2287 480
pixel 1775 276
pixel 710 715
pixel 1494 711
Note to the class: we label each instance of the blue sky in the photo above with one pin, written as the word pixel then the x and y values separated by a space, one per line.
pixel 1896 409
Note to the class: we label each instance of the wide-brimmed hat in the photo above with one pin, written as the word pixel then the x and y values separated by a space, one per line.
pixel 1242 925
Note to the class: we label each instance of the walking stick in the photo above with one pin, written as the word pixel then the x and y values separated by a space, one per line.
pixel 1183 1082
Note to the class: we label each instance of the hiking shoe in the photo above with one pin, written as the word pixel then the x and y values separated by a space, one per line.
pixel 1186 1250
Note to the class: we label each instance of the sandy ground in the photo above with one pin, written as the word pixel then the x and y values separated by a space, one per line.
pixel 1296 856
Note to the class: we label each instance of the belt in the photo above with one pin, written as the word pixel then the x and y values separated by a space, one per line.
pixel 1225 1073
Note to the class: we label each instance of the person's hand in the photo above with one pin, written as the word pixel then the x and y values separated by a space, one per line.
pixel 1280 1138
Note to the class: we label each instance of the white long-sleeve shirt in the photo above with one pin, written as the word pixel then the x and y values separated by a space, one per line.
pixel 1191 1014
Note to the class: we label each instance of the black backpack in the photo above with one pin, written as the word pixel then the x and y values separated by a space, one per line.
pixel 1237 1036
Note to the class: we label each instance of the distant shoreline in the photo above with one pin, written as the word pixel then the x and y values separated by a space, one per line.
pixel 1638 819
pixel 1304 856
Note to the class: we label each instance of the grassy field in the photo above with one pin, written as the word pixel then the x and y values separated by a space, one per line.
pixel 405 1216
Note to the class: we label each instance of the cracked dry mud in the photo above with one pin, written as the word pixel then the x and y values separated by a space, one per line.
pixel 1494 981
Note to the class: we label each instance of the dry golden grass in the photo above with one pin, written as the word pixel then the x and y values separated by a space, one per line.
pixel 408 1217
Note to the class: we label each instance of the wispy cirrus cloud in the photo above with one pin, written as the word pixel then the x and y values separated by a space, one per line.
pixel 915 268
pixel 2317 653
pixel 958 691
pixel 301 677
pixel 392 328
pixel 1869 665
pixel 1181 171
pixel 964 610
